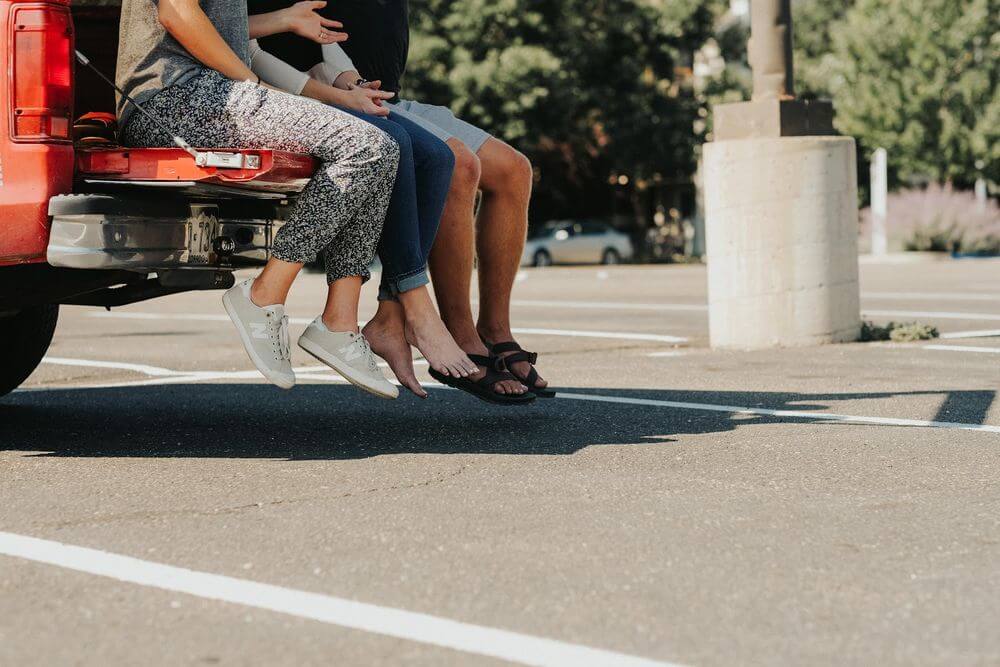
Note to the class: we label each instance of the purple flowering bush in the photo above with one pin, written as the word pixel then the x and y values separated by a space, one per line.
pixel 938 219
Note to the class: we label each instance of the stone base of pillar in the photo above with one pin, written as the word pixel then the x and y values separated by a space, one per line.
pixel 782 233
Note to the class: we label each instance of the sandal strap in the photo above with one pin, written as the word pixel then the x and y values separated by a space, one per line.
pixel 520 354
pixel 489 363
pixel 531 381
pixel 517 357
pixel 493 377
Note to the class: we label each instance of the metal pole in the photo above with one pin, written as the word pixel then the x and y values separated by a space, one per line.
pixel 880 201
pixel 770 49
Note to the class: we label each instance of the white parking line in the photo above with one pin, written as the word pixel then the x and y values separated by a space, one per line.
pixel 154 371
pixel 930 296
pixel 794 414
pixel 933 314
pixel 963 348
pixel 387 621
pixel 572 333
pixel 193 378
pixel 982 333
pixel 610 305
pixel 610 335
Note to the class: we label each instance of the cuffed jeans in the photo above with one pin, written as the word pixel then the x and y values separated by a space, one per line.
pixel 422 181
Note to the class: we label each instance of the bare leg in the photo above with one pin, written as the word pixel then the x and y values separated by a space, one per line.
pixel 386 334
pixel 503 225
pixel 272 285
pixel 341 312
pixel 451 260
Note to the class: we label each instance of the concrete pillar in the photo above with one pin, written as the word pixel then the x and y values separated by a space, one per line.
pixel 782 232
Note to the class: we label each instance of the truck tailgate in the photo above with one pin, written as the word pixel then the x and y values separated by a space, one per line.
pixel 263 170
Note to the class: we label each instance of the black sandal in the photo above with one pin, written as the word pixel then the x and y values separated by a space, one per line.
pixel 483 388
pixel 519 354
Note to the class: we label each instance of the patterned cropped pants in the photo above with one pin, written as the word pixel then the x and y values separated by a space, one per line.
pixel 343 207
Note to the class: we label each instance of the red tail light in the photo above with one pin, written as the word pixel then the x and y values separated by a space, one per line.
pixel 42 73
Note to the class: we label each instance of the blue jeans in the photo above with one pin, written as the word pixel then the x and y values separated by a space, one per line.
pixel 422 181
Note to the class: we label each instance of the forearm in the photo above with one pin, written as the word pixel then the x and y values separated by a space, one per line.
pixel 324 93
pixel 272 23
pixel 275 71
pixel 338 69
pixel 188 24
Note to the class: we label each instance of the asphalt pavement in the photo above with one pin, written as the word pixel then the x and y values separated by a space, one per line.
pixel 159 504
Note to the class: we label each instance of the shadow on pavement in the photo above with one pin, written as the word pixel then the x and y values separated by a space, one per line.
pixel 338 422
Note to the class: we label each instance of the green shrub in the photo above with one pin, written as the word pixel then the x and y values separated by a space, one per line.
pixel 897 332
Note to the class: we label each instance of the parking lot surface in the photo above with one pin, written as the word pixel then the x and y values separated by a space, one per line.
pixel 159 504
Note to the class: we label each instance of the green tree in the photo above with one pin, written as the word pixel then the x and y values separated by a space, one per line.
pixel 813 22
pixel 920 79
pixel 589 89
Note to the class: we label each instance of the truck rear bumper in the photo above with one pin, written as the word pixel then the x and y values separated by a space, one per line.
pixel 102 231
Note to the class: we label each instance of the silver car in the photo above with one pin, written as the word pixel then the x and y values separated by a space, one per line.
pixel 572 242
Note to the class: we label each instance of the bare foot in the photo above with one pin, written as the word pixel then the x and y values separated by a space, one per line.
pixel 520 369
pixel 386 335
pixel 426 332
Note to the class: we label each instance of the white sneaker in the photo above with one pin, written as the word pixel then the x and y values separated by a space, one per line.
pixel 264 332
pixel 350 355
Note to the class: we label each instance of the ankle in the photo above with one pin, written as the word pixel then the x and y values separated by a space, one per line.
pixel 262 297
pixel 340 324
pixel 388 316
pixel 494 333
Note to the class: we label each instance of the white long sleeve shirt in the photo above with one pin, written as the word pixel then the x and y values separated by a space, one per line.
pixel 278 73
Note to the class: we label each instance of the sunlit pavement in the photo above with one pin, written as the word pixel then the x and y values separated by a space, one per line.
pixel 813 506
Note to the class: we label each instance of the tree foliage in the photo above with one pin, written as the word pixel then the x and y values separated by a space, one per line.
pixel 921 79
pixel 586 88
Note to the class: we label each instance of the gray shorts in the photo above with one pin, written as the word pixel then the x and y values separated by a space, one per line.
pixel 442 123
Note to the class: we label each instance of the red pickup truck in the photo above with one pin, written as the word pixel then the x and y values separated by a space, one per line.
pixel 85 221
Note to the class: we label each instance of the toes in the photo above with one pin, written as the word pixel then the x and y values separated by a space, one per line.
pixel 459 370
pixel 414 386
pixel 469 365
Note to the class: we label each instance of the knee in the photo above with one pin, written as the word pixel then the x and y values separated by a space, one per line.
pixel 510 172
pixel 443 158
pixel 386 150
pixel 402 139
pixel 467 170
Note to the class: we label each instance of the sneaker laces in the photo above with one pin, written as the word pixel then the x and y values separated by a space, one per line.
pixel 366 348
pixel 279 338
pixel 284 341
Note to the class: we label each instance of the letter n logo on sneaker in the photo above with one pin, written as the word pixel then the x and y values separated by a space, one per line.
pixel 259 330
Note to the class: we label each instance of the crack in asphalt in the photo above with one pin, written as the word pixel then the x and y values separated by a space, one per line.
pixel 440 478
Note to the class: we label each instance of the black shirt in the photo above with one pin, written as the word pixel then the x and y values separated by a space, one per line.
pixel 379 37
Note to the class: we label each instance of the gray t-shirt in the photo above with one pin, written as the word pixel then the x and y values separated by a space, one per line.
pixel 149 59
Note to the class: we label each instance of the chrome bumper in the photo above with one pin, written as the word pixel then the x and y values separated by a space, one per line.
pixel 98 231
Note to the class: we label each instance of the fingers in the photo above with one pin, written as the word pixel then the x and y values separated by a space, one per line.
pixel 316 4
pixel 328 37
pixel 376 110
pixel 330 23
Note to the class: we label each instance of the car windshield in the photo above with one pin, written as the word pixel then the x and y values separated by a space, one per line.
pixel 547 230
